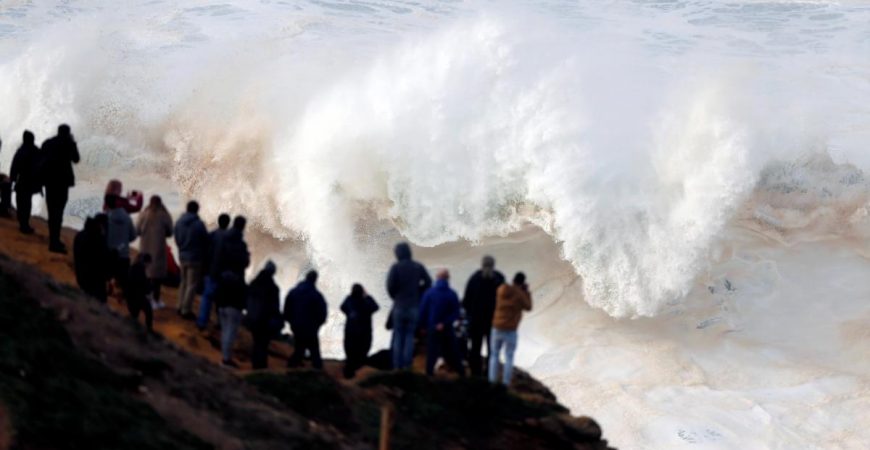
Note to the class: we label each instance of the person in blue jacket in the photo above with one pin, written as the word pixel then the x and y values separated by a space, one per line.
pixel 439 310
pixel 305 310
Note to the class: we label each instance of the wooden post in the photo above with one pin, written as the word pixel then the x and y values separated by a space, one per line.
pixel 386 424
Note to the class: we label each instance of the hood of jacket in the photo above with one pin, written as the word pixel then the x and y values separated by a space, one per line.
pixel 187 219
pixel 403 251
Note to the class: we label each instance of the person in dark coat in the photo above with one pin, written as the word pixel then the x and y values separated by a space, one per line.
pixel 439 310
pixel 263 307
pixel 479 304
pixel 305 310
pixel 406 282
pixel 24 174
pixel 191 237
pixel 5 192
pixel 358 307
pixel 59 154
pixel 230 261
pixel 91 259
pixel 210 281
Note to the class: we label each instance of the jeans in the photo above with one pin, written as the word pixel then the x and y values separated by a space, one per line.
pixel 230 320
pixel 402 346
pixel 191 272
pixel 205 302
pixel 508 339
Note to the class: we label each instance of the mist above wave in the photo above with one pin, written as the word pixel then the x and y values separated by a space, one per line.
pixel 633 158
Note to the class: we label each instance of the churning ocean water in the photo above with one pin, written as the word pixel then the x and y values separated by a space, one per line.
pixel 684 182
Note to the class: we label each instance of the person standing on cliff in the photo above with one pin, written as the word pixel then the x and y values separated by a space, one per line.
pixel 210 282
pixel 439 311
pixel 92 260
pixel 264 307
pixel 511 301
pixel 154 226
pixel 191 237
pixel 231 258
pixel 305 310
pixel 120 232
pixel 479 304
pixel 59 153
pixel 358 307
pixel 24 174
pixel 406 282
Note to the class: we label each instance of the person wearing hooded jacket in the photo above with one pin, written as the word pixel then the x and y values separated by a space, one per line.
pixel 59 154
pixel 359 308
pixel 479 304
pixel 91 259
pixel 439 310
pixel 305 310
pixel 406 282
pixel 24 174
pixel 154 226
pixel 263 307
pixel 511 301
pixel 191 237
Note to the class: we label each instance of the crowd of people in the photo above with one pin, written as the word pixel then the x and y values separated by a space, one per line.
pixel 213 266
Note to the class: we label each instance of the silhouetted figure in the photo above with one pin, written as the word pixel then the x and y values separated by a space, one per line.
pixel 5 192
pixel 358 307
pixel 138 289
pixel 120 232
pixel 58 154
pixel 439 310
pixel 25 174
pixel 305 310
pixel 406 282
pixel 132 202
pixel 191 237
pixel 264 307
pixel 231 260
pixel 479 304
pixel 91 258
pixel 511 301
pixel 210 282
pixel 154 226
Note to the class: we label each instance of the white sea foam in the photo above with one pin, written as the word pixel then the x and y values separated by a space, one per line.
pixel 684 158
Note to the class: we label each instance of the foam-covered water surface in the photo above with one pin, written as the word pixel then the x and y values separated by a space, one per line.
pixel 685 182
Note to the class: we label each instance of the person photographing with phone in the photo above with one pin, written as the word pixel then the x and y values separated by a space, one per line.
pixel 511 301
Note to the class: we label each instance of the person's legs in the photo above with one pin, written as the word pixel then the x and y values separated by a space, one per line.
pixel 122 273
pixel 396 346
pixel 433 350
pixel 409 328
pixel 314 348
pixel 474 359
pixel 205 302
pixel 149 314
pixel 495 337
pixel 182 288
pixel 23 205
pixel 300 344
pixel 260 351
pixel 156 285
pixel 5 195
pixel 190 275
pixel 230 318
pixel 510 339
pixel 55 200
pixel 451 352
